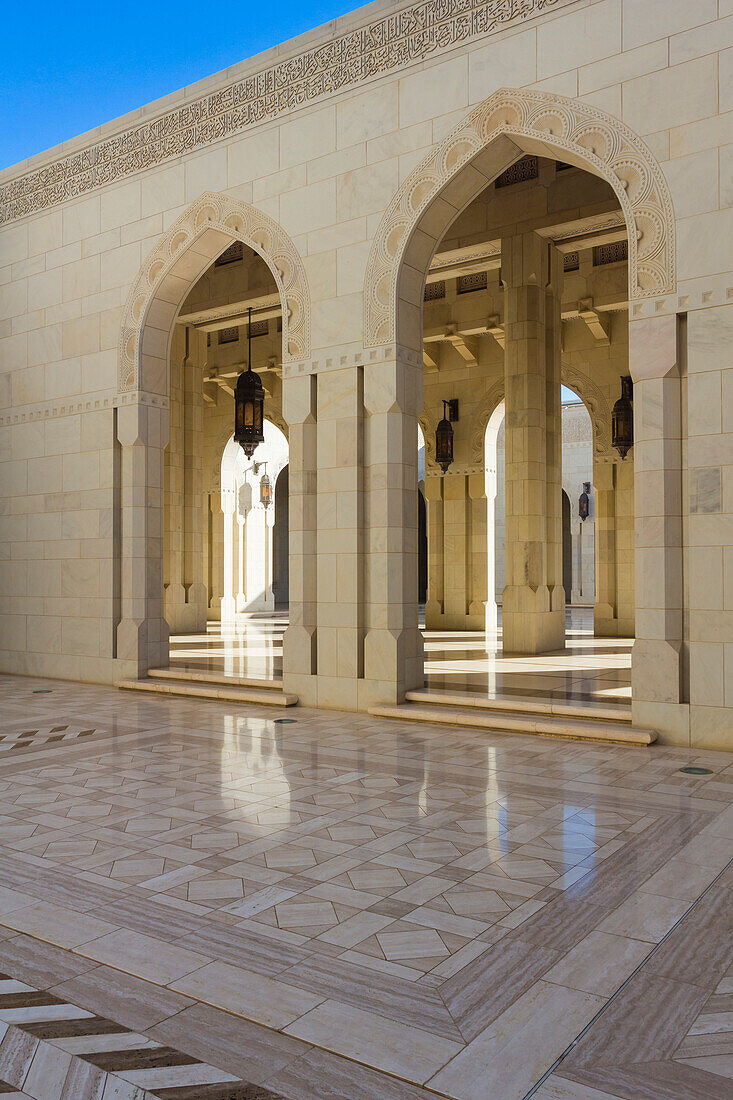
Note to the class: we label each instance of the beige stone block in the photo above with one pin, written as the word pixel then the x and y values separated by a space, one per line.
pixel 81 278
pixel 705 134
pixel 27 385
pixel 578 38
pixel 703 244
pixel 80 336
pixel 81 637
pixel 43 633
pixel 278 182
pixel 62 379
pixel 80 471
pixel 253 157
pixel 81 219
pixel 335 164
pixel 709 38
pixel 311 134
pixel 310 208
pixel 44 345
pixel 706 674
pixel 682 93
pixel 321 271
pixel 434 91
pixel 206 173
pixel 120 205
pixel 647 20
pixel 45 233
pixel 162 190
pixel 508 63
pixel 351 266
pixel 44 476
pixel 99 370
pixel 693 181
pixel 404 140
pixel 63 435
pixel 44 289
pixel 13 298
pixel 725 62
pixel 623 66
pixel 704 403
pixel 609 100
pixel 369 115
pixel 120 266
pixel 366 190
pixel 13 243
pixel 706 577
pixel 338 236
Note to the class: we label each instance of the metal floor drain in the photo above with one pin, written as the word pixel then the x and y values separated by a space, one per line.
pixel 697 771
pixel 284 721
pixel 42 691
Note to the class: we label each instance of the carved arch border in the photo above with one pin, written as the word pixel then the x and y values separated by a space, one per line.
pixel 589 393
pixel 574 131
pixel 180 257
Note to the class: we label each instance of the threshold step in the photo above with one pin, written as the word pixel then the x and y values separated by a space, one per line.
pixel 203 676
pixel 210 691
pixel 520 704
pixel 539 725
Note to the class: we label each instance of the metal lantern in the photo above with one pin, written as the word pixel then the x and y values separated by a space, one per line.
pixel 444 435
pixel 622 418
pixel 265 491
pixel 249 403
pixel 584 501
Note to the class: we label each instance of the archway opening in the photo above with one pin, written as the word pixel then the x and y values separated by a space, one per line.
pixel 507 315
pixel 226 594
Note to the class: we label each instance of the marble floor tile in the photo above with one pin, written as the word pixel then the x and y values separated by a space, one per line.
pixel 422 904
pixel 395 1047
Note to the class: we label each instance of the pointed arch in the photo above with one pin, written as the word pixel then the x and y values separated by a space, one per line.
pixel 494 135
pixel 196 238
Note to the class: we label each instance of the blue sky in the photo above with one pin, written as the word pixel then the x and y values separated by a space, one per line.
pixel 72 65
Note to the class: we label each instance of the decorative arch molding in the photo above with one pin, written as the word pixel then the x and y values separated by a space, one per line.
pixel 196 238
pixel 492 136
pixel 589 393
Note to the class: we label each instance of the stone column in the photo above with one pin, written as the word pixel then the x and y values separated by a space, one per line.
pixel 435 510
pixel 142 633
pixel 175 593
pixel 533 599
pixel 479 544
pixel 340 536
pixel 228 508
pixel 393 646
pixel 193 482
pixel 658 671
pixel 605 610
pixel 299 394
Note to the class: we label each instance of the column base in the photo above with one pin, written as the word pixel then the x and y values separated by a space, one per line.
pixel 141 644
pixel 387 654
pixel 533 620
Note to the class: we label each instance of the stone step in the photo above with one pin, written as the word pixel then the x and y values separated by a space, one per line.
pixel 195 689
pixel 539 725
pixel 203 676
pixel 520 704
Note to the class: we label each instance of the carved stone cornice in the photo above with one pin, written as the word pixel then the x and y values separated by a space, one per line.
pixel 392 42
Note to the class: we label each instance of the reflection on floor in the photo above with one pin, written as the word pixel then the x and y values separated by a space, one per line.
pixel 204 902
pixel 590 669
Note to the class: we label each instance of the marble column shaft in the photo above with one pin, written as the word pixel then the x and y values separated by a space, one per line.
pixel 533 599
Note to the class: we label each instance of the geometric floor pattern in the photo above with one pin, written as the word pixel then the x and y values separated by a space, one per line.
pixel 342 906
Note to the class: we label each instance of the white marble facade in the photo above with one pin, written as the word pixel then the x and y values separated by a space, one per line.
pixel 343 159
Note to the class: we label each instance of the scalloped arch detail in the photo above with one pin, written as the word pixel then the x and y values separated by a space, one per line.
pixel 181 255
pixel 568 128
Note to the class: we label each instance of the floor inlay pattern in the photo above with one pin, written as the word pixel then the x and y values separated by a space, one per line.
pixel 388 910
pixel 49 1046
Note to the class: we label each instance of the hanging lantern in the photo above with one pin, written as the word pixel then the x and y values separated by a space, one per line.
pixel 444 435
pixel 584 501
pixel 249 402
pixel 622 419
pixel 265 491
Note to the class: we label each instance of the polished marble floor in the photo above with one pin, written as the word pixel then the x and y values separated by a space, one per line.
pixel 589 670
pixel 332 906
